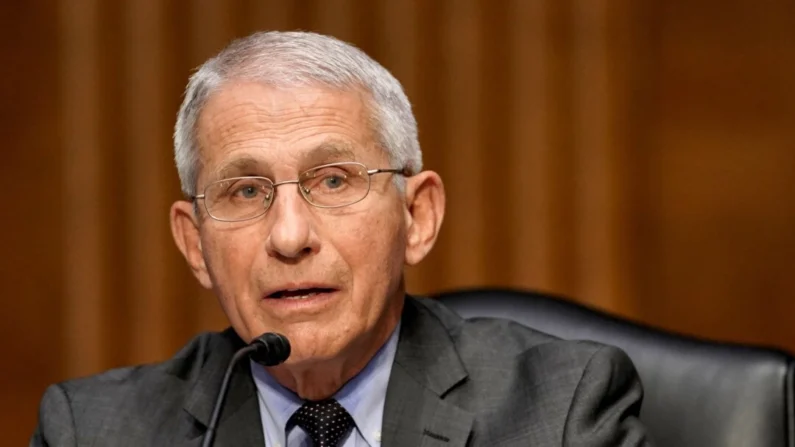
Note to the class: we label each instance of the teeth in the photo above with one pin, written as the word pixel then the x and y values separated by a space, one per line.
pixel 300 297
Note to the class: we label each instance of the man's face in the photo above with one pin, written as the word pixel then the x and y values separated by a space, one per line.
pixel 354 255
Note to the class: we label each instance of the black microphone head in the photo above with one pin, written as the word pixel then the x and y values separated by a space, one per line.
pixel 272 349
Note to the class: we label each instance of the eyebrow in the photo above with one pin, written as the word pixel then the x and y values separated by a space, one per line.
pixel 329 151
pixel 239 166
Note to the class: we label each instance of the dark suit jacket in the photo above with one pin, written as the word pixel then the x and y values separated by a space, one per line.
pixel 455 382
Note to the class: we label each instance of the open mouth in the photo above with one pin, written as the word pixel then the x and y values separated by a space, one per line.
pixel 299 294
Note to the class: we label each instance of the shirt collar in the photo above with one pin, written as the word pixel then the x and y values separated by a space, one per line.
pixel 363 396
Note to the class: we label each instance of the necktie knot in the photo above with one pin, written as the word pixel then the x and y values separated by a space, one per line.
pixel 325 421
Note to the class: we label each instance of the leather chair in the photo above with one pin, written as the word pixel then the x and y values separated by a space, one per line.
pixel 698 393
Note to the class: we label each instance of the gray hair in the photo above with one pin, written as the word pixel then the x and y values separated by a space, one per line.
pixel 293 59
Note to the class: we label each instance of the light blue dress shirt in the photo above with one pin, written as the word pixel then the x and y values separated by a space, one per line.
pixel 363 397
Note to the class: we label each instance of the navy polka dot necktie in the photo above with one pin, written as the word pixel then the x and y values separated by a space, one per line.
pixel 325 421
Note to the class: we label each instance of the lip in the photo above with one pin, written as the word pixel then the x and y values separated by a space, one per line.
pixel 312 306
pixel 299 286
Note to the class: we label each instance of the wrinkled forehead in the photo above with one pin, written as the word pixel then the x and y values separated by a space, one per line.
pixel 253 129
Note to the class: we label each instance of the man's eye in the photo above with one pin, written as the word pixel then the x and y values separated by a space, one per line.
pixel 333 181
pixel 247 192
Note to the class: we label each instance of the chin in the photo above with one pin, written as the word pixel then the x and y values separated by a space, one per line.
pixel 309 359
pixel 310 350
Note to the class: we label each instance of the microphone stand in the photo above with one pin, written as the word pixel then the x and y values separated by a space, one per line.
pixel 209 436
pixel 268 349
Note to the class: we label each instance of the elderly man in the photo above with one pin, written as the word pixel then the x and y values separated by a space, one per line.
pixel 299 158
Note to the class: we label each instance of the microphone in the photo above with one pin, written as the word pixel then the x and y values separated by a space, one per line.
pixel 269 349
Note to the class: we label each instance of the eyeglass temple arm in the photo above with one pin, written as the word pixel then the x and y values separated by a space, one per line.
pixel 404 171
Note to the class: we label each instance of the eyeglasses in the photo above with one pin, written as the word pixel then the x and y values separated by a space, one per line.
pixel 328 186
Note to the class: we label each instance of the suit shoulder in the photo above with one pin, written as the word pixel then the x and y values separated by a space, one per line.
pixel 499 337
pixel 509 365
pixel 142 380
pixel 127 403
pixel 485 345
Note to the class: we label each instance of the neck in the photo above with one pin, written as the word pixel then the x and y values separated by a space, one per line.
pixel 322 380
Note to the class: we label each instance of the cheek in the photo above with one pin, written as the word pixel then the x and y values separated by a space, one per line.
pixel 375 252
pixel 230 258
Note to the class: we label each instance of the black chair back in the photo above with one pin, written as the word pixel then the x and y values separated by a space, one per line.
pixel 698 393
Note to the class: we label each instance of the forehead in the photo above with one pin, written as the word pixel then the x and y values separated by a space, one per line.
pixel 245 124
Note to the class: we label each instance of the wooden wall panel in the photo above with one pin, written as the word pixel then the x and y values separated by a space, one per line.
pixel 463 160
pixel 148 175
pixel 86 273
pixel 596 171
pixel 633 155
pixel 31 214
pixel 720 175
pixel 530 228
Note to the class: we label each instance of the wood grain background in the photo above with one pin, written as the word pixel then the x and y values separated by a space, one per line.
pixel 635 155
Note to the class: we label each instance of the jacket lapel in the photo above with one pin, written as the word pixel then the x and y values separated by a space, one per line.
pixel 427 367
pixel 240 422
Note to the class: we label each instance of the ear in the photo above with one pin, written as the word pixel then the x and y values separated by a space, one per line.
pixel 185 229
pixel 424 214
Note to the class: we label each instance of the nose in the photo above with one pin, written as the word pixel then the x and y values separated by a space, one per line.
pixel 292 234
